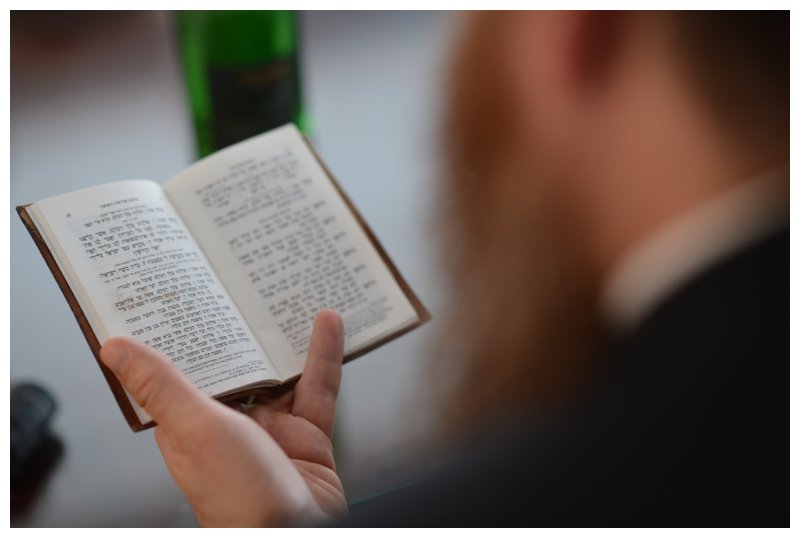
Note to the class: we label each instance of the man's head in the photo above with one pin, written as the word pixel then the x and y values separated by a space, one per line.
pixel 570 138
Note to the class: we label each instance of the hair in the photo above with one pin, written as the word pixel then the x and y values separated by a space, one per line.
pixel 738 63
pixel 521 329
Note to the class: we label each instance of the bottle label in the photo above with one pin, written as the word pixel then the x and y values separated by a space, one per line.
pixel 248 101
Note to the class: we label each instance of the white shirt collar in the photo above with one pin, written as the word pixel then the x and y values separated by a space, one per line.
pixel 691 243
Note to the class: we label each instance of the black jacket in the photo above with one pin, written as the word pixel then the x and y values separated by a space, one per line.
pixel 687 426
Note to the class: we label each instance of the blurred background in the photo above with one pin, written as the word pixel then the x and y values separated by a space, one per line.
pixel 98 97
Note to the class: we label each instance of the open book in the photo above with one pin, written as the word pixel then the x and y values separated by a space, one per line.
pixel 224 268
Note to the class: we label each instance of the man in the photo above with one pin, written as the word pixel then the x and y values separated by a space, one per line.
pixel 619 247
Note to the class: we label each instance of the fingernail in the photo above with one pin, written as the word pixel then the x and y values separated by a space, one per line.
pixel 114 355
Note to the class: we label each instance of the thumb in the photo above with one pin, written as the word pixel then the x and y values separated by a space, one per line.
pixel 315 394
pixel 154 382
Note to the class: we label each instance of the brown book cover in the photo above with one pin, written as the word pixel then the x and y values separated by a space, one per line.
pixel 116 388
pixel 94 344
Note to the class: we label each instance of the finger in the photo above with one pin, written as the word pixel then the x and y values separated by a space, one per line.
pixel 315 394
pixel 154 382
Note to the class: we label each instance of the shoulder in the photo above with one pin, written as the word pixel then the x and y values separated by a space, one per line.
pixel 686 426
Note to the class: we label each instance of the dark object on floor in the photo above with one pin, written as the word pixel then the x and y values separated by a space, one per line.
pixel 34 450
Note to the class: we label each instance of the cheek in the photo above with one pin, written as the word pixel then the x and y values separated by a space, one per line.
pixel 544 111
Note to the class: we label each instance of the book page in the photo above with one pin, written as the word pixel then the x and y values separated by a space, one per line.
pixel 136 271
pixel 285 244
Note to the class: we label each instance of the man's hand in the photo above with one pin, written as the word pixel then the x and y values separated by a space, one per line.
pixel 273 467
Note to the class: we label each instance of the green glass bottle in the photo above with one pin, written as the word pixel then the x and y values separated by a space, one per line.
pixel 241 73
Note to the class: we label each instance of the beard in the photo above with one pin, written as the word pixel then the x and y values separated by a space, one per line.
pixel 520 322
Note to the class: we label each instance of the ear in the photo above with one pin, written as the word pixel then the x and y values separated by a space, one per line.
pixel 591 48
pixel 558 61
pixel 578 49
